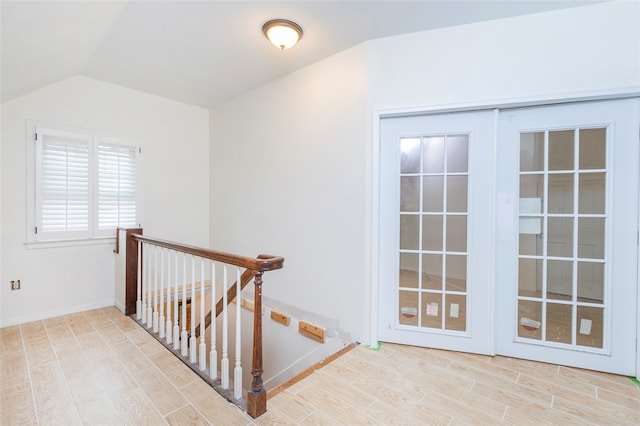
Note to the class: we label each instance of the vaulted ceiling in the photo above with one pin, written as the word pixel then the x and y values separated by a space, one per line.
pixel 205 52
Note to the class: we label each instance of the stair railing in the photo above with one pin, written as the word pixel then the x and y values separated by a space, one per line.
pixel 159 282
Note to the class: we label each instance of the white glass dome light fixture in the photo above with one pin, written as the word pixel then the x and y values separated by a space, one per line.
pixel 282 33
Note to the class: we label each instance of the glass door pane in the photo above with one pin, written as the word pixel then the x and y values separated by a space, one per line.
pixel 562 222
pixel 434 180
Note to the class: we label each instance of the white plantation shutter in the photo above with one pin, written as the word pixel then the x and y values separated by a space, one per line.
pixel 85 185
pixel 63 191
pixel 117 190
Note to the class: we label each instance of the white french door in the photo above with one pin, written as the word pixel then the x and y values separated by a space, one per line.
pixel 542 264
pixel 435 230
pixel 567 281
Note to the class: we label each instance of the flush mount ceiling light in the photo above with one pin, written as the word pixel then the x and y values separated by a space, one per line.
pixel 282 32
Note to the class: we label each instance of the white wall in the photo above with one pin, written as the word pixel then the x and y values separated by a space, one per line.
pixel 287 177
pixel 291 161
pixel 175 139
pixel 570 51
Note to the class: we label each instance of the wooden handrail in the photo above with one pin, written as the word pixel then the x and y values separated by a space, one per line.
pixel 262 263
pixel 254 269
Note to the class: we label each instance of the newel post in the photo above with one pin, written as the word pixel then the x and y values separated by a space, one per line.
pixel 131 271
pixel 257 396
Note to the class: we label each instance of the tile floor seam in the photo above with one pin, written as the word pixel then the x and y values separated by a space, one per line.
pixel 409 414
pixel 504 412
pixel 64 375
pixel 131 375
pixel 179 389
pixel 635 397
pixel 609 417
pixel 179 408
pixel 103 341
pixel 587 383
pixel 282 412
pixel 455 415
pixel 139 385
pixel 156 371
pixel 33 394
pixel 66 382
pixel 306 416
pixel 563 387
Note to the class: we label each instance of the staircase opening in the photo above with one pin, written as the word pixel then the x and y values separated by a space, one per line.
pixel 186 297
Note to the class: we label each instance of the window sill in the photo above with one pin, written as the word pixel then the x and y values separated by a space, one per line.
pixel 35 245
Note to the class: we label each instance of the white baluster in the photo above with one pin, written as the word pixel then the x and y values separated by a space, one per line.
pixel 168 326
pixel 192 339
pixel 184 337
pixel 155 290
pixel 176 324
pixel 149 288
pixel 224 363
pixel 145 284
pixel 161 319
pixel 237 371
pixel 139 283
pixel 213 355
pixel 202 352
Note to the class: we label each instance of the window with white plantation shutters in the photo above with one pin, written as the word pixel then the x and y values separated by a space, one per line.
pixel 85 185
pixel 116 186
pixel 63 191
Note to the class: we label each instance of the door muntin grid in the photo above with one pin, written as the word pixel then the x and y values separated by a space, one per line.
pixel 562 256
pixel 433 210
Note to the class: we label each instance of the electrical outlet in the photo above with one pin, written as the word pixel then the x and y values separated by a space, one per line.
pixel 15 285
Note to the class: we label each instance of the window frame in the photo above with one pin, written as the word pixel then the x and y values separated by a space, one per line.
pixel 93 235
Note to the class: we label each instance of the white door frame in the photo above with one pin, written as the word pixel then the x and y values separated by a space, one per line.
pixel 496 105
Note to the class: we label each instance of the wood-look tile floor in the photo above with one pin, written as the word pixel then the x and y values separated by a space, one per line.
pixel 100 368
